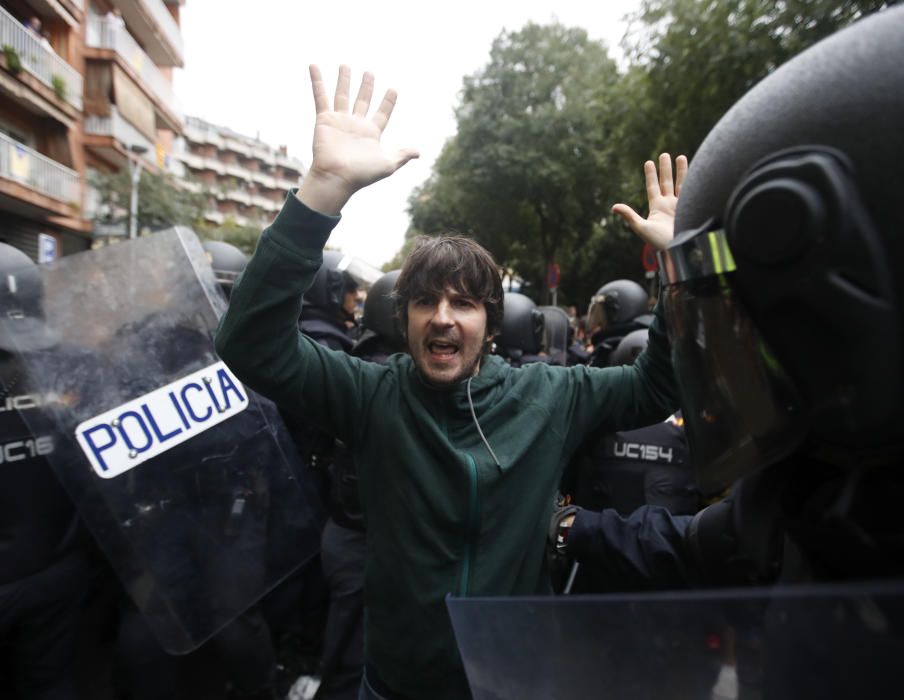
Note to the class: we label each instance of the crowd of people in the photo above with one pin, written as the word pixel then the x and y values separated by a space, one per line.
pixel 455 441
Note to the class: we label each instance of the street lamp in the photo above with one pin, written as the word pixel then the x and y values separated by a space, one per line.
pixel 135 170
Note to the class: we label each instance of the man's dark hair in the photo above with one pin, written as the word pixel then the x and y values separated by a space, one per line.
pixel 438 263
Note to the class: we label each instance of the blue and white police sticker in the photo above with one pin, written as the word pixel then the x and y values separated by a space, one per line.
pixel 122 438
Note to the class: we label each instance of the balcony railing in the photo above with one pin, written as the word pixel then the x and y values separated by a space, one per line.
pixel 290 163
pixel 104 34
pixel 198 132
pixel 27 167
pixel 166 22
pixel 238 196
pixel 41 61
pixel 121 130
pixel 266 204
pixel 283 183
pixel 163 23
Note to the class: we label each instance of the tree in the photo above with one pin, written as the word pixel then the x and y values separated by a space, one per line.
pixel 700 56
pixel 550 136
pixel 161 201
pixel 242 237
pixel 522 174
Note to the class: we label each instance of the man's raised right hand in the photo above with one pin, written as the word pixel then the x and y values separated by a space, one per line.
pixel 348 155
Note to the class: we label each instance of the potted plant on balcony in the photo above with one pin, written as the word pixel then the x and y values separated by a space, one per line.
pixel 59 86
pixel 13 62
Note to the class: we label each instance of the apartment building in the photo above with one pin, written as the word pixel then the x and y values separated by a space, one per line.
pixel 85 86
pixel 245 179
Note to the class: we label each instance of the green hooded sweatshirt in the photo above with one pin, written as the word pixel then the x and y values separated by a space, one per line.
pixel 447 511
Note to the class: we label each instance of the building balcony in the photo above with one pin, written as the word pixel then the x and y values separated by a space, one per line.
pixel 112 137
pixel 238 196
pixel 41 61
pixel 197 131
pixel 152 24
pixel 264 154
pixel 267 205
pixel 290 163
pixel 70 11
pixel 107 35
pixel 286 184
pixel 236 171
pixel 232 144
pixel 214 216
pixel 192 186
pixel 20 166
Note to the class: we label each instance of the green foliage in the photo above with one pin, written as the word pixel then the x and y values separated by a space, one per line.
pixel 242 237
pixel 59 86
pixel 550 135
pixel 162 202
pixel 700 56
pixel 522 173
pixel 13 62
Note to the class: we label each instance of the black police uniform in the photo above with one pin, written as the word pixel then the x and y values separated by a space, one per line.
pixel 647 466
pixel 45 572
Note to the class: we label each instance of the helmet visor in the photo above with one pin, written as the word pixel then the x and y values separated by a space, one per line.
pixel 741 410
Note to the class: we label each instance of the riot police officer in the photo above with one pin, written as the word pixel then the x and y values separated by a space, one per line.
pixel 328 317
pixel 624 471
pixel 786 321
pixel 241 656
pixel 45 571
pixel 647 466
pixel 328 312
pixel 617 308
pixel 343 545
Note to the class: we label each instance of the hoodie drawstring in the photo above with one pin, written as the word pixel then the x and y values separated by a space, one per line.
pixel 482 436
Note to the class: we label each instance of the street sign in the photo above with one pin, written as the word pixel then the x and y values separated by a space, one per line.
pixel 553 276
pixel 649 259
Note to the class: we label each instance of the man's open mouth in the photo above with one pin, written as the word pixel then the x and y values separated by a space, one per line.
pixel 442 348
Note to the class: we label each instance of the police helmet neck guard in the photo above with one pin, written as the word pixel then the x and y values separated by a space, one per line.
pixel 778 303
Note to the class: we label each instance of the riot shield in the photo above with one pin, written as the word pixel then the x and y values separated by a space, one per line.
pixel 189 482
pixel 817 641
pixel 555 334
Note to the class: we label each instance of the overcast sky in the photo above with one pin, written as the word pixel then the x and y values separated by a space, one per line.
pixel 246 69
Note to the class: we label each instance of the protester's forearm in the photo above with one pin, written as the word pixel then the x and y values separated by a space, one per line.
pixel 258 335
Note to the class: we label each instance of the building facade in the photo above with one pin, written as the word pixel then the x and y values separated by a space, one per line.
pixel 85 87
pixel 244 179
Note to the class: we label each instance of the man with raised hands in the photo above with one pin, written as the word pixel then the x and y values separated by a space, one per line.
pixel 459 454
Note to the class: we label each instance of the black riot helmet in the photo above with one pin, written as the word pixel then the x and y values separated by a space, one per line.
pixel 22 326
pixel 616 305
pixel 629 348
pixel 331 283
pixel 522 327
pixel 380 318
pixel 227 262
pixel 782 285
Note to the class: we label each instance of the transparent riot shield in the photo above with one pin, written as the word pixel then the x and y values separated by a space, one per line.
pixel 555 334
pixel 819 641
pixel 189 482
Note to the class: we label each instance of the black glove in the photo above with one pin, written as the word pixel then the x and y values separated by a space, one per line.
pixel 739 541
pixel 558 531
